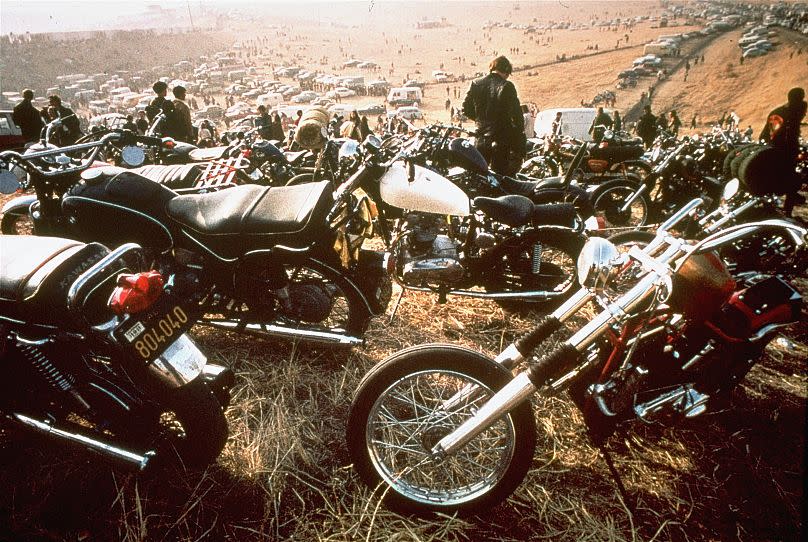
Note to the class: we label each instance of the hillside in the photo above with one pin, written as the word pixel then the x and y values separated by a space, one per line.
pixel 722 84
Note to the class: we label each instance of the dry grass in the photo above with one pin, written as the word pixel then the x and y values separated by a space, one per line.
pixel 285 474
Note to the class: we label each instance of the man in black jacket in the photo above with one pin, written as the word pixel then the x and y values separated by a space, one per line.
pixel 71 129
pixel 492 102
pixel 27 117
pixel 161 105
pixel 647 127
pixel 782 131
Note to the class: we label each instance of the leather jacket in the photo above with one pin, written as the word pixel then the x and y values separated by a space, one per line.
pixel 492 103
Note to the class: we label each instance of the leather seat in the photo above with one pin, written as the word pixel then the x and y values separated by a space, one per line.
pixel 237 220
pixel 36 273
pixel 517 210
pixel 173 176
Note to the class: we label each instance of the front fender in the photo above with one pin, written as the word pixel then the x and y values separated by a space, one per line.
pixel 19 205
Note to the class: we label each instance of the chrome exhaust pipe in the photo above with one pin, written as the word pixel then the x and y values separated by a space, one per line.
pixel 279 331
pixel 137 460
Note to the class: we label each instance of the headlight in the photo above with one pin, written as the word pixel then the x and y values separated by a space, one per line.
pixel 595 263
pixel 730 189
pixel 348 149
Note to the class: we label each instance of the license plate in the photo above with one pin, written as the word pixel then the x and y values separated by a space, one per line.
pixel 180 363
pixel 147 336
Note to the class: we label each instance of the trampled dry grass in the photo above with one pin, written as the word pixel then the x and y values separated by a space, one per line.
pixel 285 474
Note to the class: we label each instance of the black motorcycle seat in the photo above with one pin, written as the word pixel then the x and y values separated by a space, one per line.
pixel 36 273
pixel 250 217
pixel 516 210
pixel 173 176
pixel 528 188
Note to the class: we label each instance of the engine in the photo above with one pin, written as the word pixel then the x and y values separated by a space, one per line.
pixel 427 255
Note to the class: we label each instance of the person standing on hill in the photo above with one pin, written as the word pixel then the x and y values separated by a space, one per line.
pixel 491 102
pixel 675 123
pixel 600 124
pixel 182 125
pixel 160 105
pixel 618 122
pixel 71 130
pixel 647 127
pixel 27 117
pixel 782 131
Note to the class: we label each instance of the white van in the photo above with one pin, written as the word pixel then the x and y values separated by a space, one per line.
pixel 575 121
pixel 269 100
pixel 405 96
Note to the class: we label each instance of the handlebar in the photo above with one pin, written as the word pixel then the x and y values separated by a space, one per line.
pixel 26 161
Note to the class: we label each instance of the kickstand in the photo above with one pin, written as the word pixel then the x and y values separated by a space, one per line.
pixel 618 481
pixel 395 307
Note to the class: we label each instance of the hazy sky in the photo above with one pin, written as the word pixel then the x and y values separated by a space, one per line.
pixel 21 16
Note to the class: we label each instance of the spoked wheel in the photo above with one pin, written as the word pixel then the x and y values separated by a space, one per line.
pixel 17 224
pixel 318 303
pixel 408 403
pixel 609 200
pixel 539 261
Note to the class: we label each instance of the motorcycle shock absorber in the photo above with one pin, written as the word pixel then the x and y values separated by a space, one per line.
pixel 61 382
pixel 536 263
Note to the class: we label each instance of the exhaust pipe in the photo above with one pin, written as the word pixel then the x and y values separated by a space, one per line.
pixel 279 331
pixel 137 460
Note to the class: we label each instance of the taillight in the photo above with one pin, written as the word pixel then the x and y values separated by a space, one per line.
pixel 169 143
pixel 246 153
pixel 136 293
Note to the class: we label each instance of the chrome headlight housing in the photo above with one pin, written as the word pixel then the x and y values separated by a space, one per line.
pixel 596 262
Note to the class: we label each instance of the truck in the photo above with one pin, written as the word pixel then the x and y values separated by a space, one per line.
pixel 405 96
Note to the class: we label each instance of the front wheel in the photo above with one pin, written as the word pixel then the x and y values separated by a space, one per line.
pixel 610 198
pixel 15 223
pixel 407 403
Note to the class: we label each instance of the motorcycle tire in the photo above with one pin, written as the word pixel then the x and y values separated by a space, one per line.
pixel 608 198
pixel 513 268
pixel 735 164
pixel 204 426
pixel 638 169
pixel 16 224
pixel 323 299
pixel 476 477
pixel 726 168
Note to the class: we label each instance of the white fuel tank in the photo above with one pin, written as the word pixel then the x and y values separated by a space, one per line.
pixel 429 192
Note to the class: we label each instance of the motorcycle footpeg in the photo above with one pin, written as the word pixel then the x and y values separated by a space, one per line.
pixel 219 380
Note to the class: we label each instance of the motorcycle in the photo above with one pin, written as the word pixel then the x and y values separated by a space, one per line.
pixel 440 240
pixel 272 261
pixel 97 355
pixel 446 429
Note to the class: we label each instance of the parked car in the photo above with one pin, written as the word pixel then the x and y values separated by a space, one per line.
pixel 307 96
pixel 409 112
pixel 372 109
pixel 342 92
pixel 10 134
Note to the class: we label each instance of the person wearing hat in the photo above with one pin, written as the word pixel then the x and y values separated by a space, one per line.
pixel 182 127
pixel 782 131
pixel 160 104
pixel 492 103
pixel 27 117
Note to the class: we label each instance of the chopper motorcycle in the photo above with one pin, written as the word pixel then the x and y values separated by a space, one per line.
pixel 446 429
pixel 273 261
pixel 100 371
